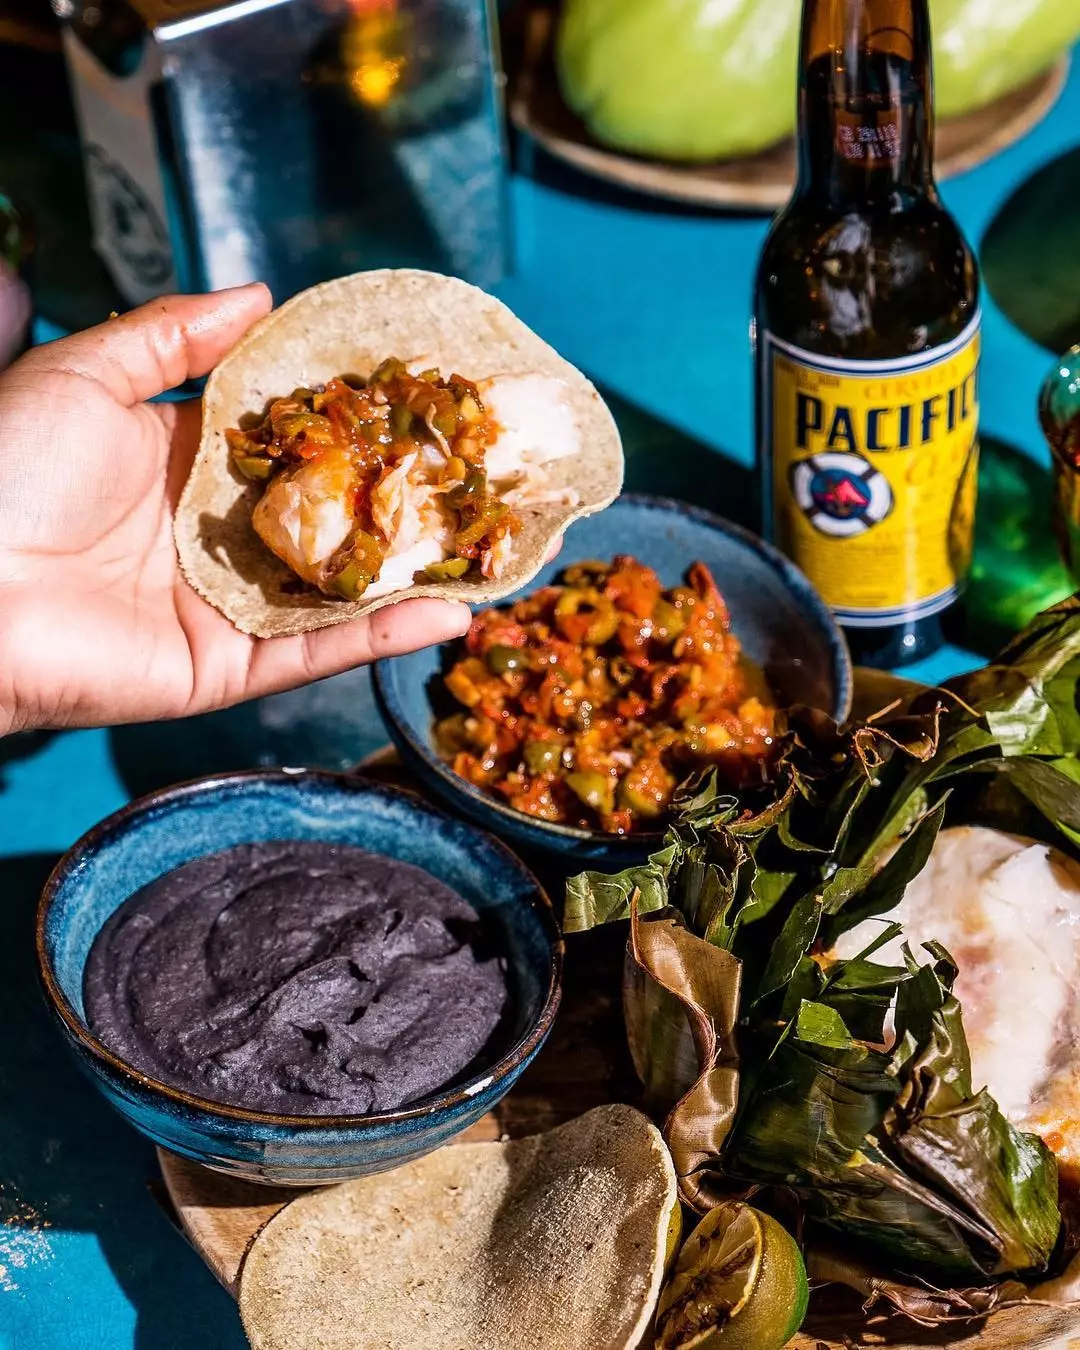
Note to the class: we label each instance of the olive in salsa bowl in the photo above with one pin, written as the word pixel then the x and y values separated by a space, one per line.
pixel 661 641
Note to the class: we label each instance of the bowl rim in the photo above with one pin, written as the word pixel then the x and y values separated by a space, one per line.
pixel 118 822
pixel 389 707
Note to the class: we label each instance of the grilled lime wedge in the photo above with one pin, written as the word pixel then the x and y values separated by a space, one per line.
pixel 739 1284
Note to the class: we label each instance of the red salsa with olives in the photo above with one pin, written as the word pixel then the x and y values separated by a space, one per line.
pixel 588 702
pixel 337 457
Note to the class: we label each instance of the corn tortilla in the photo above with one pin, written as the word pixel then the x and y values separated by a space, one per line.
pixel 555 1240
pixel 347 327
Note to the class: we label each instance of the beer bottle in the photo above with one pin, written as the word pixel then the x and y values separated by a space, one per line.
pixel 867 340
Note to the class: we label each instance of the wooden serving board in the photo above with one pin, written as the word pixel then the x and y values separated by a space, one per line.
pixel 585 1063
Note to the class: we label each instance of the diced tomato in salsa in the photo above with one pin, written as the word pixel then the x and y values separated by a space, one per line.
pixel 587 703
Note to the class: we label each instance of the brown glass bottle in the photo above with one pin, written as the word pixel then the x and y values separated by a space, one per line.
pixel 866 340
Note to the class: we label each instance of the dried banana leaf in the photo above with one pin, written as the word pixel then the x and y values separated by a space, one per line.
pixel 875 1129
pixel 856 1306
pixel 890 1147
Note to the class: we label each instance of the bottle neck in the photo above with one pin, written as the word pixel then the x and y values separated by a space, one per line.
pixel 865 102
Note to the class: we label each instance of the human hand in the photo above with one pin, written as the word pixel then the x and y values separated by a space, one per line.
pixel 97 624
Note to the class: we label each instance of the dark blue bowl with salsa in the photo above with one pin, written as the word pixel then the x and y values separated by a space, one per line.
pixel 159 833
pixel 782 623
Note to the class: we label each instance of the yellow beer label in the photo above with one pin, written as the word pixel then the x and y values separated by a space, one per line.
pixel 873 474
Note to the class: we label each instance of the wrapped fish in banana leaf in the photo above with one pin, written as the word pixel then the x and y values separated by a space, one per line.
pixel 832 1075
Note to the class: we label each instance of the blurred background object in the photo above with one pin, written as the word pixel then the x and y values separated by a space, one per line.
pixel 694 101
pixel 1059 415
pixel 15 249
pixel 694 80
pixel 1017 569
pixel 29 24
pixel 287 140
pixel 1031 254
pixel 681 79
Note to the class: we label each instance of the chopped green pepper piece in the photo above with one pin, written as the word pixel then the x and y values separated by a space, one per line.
pixel 400 419
pixel 311 426
pixel 501 659
pixel 387 371
pixel 596 790
pixel 543 756
pixel 668 622
pixel 486 519
pixel 473 485
pixel 360 569
pixel 447 421
pixel 351 582
pixel 256 467
pixel 632 798
pixel 447 570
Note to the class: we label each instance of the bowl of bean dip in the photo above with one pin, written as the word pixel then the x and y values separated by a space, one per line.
pixel 297 977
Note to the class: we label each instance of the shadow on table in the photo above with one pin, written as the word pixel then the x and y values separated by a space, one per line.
pixel 332 724
pixel 1030 255
pixel 21 746
pixel 68 1162
pixel 667 462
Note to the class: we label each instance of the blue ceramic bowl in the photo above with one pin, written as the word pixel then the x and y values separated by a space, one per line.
pixel 160 832
pixel 782 622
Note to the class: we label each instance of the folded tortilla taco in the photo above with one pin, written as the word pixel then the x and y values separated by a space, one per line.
pixel 387 435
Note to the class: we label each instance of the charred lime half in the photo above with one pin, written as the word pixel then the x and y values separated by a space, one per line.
pixel 739 1284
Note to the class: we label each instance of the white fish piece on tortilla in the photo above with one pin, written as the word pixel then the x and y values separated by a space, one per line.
pixel 536 422
pixel 349 326
pixel 1008 911
pixel 306 512
pixel 560 1240
pixel 421 535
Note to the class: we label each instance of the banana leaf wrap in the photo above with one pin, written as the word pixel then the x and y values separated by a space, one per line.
pixel 802 1090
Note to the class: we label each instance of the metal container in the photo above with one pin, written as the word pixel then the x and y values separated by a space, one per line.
pixel 288 141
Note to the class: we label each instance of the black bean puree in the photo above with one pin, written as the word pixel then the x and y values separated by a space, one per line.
pixel 300 978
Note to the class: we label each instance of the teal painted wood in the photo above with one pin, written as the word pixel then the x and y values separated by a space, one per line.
pixel 625 288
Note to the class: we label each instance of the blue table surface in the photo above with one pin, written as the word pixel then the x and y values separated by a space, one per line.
pixel 87 1256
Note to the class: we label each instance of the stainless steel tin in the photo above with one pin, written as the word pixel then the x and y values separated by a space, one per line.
pixel 289 140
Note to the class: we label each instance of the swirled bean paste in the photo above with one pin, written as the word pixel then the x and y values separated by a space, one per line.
pixel 300 978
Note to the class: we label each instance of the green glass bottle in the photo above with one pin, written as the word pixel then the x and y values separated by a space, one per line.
pixel 1016 570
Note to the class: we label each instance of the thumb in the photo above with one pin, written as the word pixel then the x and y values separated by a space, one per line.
pixel 282 663
pixel 159 345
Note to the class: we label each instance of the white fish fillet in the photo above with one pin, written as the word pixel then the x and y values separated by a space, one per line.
pixel 307 513
pixel 1008 911
pixel 536 424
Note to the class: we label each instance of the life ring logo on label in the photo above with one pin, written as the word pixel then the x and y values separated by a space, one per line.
pixel 841 494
